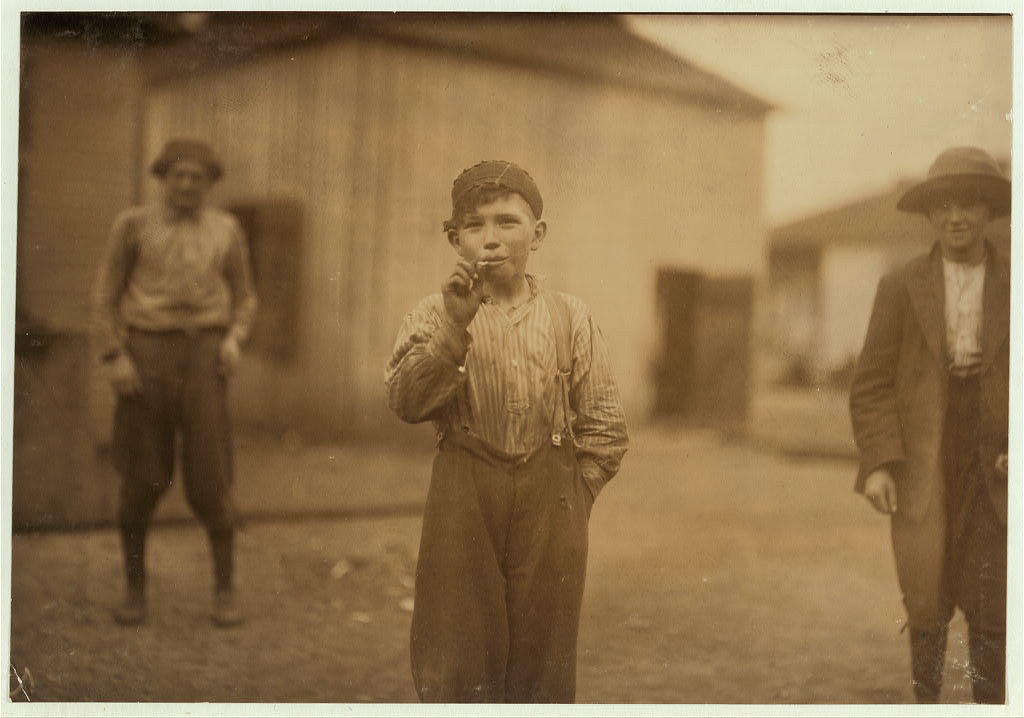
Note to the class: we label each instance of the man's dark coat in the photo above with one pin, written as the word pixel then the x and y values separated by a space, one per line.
pixel 898 408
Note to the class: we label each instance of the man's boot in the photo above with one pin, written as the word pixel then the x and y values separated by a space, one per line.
pixel 226 612
pixel 988 666
pixel 927 656
pixel 132 610
pixel 225 609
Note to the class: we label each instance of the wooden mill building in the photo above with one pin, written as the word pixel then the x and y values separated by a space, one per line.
pixel 341 134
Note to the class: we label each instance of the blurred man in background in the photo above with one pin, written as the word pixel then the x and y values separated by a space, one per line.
pixel 929 404
pixel 173 303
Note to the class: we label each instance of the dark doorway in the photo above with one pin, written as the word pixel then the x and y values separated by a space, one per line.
pixel 677 302
pixel 703 371
pixel 273 228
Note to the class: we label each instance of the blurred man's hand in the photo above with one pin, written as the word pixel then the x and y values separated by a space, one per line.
pixel 230 354
pixel 123 375
pixel 880 490
pixel 1003 465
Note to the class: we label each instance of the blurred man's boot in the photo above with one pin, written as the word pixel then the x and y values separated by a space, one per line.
pixel 225 609
pixel 988 666
pixel 225 605
pixel 927 655
pixel 132 610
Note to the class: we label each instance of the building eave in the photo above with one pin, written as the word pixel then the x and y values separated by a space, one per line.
pixel 590 47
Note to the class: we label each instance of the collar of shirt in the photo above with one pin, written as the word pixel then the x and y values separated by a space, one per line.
pixel 516 313
pixel 169 216
pixel 963 281
pixel 964 268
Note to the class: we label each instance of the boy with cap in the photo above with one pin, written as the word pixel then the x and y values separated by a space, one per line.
pixel 930 404
pixel 173 303
pixel 516 380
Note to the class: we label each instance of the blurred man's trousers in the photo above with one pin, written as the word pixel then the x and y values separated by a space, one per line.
pixel 182 390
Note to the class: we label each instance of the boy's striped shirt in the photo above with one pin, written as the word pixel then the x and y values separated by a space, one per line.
pixel 499 377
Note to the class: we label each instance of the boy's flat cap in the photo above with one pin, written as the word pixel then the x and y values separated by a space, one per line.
pixel 499 173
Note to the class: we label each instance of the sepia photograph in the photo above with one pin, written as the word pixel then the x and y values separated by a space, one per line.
pixel 360 361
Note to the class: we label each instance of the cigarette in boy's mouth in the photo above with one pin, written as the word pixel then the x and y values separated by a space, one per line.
pixel 488 262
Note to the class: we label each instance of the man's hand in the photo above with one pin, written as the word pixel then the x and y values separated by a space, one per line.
pixel 461 293
pixel 230 353
pixel 123 375
pixel 880 490
pixel 1003 465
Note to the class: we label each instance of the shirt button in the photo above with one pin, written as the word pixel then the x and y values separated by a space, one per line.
pixel 515 363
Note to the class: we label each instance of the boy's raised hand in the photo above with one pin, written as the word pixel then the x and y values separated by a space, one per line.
pixel 461 292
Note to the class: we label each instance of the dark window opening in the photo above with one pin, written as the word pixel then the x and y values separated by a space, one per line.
pixel 274 231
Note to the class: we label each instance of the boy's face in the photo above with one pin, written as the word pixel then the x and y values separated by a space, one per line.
pixel 500 236
pixel 959 222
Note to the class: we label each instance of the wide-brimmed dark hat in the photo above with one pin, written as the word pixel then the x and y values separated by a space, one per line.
pixel 961 170
pixel 176 150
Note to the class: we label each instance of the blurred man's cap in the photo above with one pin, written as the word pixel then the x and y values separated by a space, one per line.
pixel 194 150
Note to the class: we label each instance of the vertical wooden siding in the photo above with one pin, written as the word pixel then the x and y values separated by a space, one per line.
pixel 77 161
pixel 286 128
pixel 370 135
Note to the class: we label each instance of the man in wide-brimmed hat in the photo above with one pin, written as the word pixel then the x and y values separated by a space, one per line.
pixel 173 303
pixel 929 404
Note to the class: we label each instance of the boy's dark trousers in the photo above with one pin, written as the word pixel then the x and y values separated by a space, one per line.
pixel 499 583
pixel 974 575
pixel 181 389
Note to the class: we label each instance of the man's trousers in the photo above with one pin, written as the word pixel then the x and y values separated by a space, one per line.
pixel 182 391
pixel 955 556
pixel 499 583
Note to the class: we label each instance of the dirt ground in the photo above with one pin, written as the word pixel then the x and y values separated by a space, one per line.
pixel 719 573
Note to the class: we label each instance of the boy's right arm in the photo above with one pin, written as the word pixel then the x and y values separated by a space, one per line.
pixel 427 365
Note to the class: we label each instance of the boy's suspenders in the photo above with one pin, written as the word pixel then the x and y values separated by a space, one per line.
pixel 560 319
pixel 561 421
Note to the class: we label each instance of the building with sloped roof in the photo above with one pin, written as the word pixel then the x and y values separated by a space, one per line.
pixel 341 134
pixel 823 272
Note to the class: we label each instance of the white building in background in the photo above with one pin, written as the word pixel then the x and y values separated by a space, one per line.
pixel 822 276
